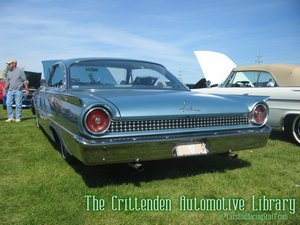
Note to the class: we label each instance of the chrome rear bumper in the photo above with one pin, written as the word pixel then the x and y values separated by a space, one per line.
pixel 135 149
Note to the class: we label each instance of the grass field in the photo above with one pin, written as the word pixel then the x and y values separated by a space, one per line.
pixel 38 187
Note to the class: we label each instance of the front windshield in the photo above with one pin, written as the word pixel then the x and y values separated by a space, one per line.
pixel 101 74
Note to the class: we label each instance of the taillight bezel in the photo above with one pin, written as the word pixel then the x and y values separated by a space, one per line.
pixel 253 114
pixel 105 126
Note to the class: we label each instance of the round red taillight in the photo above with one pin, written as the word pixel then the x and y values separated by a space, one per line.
pixel 97 120
pixel 259 114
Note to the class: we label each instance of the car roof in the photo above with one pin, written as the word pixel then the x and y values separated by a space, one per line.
pixel 69 62
pixel 285 74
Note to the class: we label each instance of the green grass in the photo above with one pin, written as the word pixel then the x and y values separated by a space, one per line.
pixel 38 187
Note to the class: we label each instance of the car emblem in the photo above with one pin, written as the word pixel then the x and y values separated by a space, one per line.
pixel 189 108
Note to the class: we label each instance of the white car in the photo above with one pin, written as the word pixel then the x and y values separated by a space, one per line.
pixel 281 82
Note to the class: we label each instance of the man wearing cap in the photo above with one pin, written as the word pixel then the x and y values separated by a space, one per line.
pixel 14 83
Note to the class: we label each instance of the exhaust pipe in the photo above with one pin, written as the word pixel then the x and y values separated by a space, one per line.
pixel 229 154
pixel 232 155
pixel 137 166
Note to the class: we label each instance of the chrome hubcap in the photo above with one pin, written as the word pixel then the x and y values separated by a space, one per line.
pixel 297 127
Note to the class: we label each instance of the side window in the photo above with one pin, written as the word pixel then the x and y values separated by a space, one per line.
pixel 242 79
pixel 56 77
pixel 265 79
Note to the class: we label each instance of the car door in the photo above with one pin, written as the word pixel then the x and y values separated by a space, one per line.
pixel 48 98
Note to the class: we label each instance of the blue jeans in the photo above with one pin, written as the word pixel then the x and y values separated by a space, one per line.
pixel 12 95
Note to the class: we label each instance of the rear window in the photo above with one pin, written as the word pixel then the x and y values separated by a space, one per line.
pixel 121 74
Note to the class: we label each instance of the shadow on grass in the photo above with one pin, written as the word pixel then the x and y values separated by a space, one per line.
pixel 280 136
pixel 98 176
pixel 28 117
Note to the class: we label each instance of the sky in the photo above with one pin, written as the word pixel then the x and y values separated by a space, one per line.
pixel 162 31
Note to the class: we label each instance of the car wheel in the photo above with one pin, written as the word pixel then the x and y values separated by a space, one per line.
pixel 292 128
pixel 296 129
pixel 65 154
pixel 37 123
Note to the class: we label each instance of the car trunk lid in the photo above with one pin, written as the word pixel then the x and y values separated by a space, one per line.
pixel 134 104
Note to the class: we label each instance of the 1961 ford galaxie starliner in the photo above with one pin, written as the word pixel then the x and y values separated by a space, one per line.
pixel 105 111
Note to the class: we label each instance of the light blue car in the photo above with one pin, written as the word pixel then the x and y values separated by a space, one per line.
pixel 105 111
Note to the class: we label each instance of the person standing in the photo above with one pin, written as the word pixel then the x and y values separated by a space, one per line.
pixel 14 83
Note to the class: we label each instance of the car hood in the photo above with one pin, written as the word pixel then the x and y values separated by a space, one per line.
pixel 215 66
pixel 141 103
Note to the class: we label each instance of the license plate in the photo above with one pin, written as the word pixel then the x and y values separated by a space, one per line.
pixel 190 149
